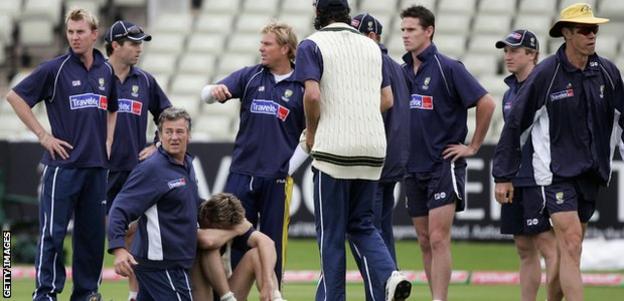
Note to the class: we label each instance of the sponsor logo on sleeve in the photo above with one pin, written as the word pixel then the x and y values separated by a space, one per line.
pixel 177 183
pixel 567 93
pixel 88 100
pixel 269 107
pixel 421 102
pixel 130 106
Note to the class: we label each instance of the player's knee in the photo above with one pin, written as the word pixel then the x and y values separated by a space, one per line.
pixel 525 249
pixel 572 243
pixel 439 240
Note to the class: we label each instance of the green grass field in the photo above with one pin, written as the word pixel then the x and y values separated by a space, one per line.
pixel 303 255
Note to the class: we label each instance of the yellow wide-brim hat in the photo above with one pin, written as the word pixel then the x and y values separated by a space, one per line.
pixel 576 13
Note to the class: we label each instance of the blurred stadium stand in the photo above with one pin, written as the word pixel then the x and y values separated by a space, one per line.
pixel 196 43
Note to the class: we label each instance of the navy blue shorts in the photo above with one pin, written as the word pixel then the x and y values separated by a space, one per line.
pixel 572 195
pixel 169 284
pixel 527 214
pixel 430 190
pixel 116 180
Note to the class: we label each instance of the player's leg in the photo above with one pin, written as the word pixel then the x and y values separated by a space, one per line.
pixel 274 207
pixel 243 276
pixel 246 189
pixel 212 270
pixel 133 284
pixel 201 286
pixel 440 221
pixel 569 238
pixel 330 201
pixel 547 245
pixel 416 203
pixel 369 248
pixel 116 180
pixel 530 269
pixel 56 202
pixel 385 217
pixel 88 240
pixel 536 226
pixel 446 196
pixel 562 202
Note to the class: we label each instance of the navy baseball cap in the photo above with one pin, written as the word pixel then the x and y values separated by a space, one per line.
pixel 366 23
pixel 124 29
pixel 331 4
pixel 520 38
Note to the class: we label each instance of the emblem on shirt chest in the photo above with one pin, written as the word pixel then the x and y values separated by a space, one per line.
pixel 101 82
pixel 135 91
pixel 425 85
pixel 602 91
pixel 261 89
pixel 287 94
pixel 76 83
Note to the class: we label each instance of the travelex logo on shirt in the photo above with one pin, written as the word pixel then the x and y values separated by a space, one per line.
pixel 561 94
pixel 421 102
pixel 130 106
pixel 269 107
pixel 176 183
pixel 88 100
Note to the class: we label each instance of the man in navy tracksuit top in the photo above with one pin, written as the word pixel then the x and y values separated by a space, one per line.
pixel 396 121
pixel 271 121
pixel 525 217
pixel 138 93
pixel 161 192
pixel 79 93
pixel 568 108
pixel 442 91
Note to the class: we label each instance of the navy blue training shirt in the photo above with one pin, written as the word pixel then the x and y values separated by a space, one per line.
pixel 77 102
pixel 271 121
pixel 441 93
pixel 138 94
pixel 164 195
pixel 396 121
pixel 524 177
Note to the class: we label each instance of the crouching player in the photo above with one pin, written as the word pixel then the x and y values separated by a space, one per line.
pixel 222 222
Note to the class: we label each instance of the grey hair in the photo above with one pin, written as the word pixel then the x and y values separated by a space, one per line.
pixel 173 114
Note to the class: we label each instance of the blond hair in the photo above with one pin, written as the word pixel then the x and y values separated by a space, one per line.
pixel 284 34
pixel 78 14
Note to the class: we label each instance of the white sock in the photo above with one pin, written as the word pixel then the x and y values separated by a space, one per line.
pixel 132 295
pixel 229 296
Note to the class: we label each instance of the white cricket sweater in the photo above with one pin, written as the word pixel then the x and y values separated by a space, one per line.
pixel 350 141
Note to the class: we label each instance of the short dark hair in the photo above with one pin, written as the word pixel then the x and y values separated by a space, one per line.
pixel 424 15
pixel 325 17
pixel 109 46
pixel 221 211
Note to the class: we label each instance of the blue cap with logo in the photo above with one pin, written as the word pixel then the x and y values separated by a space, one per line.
pixel 366 23
pixel 519 38
pixel 124 29
pixel 331 4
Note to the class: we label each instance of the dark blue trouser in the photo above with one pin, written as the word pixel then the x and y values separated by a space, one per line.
pixel 67 192
pixel 343 210
pixel 382 209
pixel 166 285
pixel 267 203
